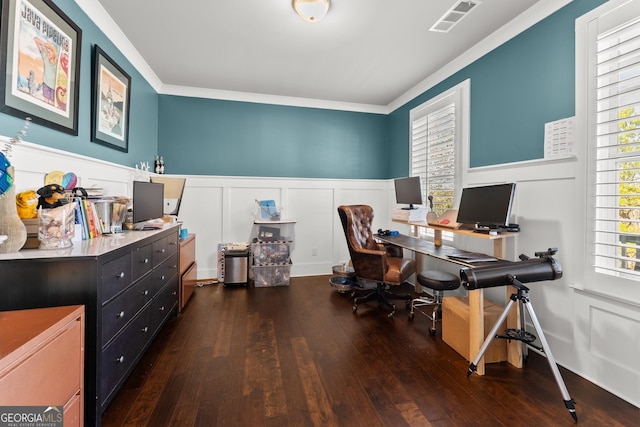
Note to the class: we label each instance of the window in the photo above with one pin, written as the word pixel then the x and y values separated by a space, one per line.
pixel 437 129
pixel 617 154
pixel 608 66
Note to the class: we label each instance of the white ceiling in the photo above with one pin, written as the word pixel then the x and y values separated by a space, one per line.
pixel 365 52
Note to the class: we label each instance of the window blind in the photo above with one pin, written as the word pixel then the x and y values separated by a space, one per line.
pixel 433 155
pixel 617 168
pixel 441 164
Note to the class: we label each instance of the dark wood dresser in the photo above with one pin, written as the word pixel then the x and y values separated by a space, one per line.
pixel 128 284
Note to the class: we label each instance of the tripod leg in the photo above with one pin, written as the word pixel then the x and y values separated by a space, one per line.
pixel 474 365
pixel 568 401
pixel 523 344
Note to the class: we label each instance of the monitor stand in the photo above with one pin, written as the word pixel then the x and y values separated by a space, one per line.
pixel 409 208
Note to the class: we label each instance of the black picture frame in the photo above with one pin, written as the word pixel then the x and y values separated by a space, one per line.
pixel 40 64
pixel 111 102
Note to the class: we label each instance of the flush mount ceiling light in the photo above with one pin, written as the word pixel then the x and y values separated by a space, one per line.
pixel 311 10
pixel 453 16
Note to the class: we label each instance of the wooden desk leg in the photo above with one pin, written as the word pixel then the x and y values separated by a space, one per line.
pixel 437 237
pixel 476 326
pixel 514 348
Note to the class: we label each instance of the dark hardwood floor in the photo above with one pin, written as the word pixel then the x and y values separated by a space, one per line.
pixel 298 356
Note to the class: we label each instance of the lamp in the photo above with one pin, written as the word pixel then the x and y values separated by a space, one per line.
pixel 311 10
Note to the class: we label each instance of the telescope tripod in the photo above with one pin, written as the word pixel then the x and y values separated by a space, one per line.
pixel 522 297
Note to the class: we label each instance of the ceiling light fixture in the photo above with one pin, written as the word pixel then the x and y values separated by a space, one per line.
pixel 311 10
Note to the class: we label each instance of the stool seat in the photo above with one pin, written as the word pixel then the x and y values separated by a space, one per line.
pixel 438 280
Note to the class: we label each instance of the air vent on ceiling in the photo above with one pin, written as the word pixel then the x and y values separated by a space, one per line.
pixel 453 16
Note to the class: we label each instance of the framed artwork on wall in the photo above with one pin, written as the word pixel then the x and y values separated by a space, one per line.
pixel 40 64
pixel 111 102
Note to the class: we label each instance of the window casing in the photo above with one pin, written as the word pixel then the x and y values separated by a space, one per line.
pixel 608 73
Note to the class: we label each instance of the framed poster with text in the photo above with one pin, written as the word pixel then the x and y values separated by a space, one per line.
pixel 40 60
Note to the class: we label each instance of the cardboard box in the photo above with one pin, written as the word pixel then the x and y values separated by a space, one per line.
pixel 455 328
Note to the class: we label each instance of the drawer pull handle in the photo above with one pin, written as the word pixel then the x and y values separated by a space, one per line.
pixel 145 329
pixel 161 251
pixel 120 359
pixel 174 293
pixel 121 275
pixel 120 315
pixel 146 261
pixel 146 292
pixel 162 277
pixel 161 308
pixel 173 243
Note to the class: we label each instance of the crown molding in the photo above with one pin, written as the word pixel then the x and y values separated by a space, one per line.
pixel 522 22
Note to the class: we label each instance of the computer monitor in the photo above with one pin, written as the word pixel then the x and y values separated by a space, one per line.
pixel 148 199
pixel 173 190
pixel 488 206
pixel 408 191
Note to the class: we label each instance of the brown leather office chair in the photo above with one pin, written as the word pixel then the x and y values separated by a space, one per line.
pixel 374 261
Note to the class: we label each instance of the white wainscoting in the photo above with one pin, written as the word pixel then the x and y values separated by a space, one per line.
pixel 590 334
pixel 222 209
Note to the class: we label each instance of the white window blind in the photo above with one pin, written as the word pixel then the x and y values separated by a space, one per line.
pixel 441 165
pixel 617 159
pixel 433 155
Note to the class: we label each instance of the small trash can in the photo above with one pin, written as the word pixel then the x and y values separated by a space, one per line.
pixel 236 267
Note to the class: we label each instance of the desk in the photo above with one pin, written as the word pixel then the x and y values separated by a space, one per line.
pixel 476 297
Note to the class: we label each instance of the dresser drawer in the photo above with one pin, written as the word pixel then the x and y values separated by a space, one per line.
pixel 188 283
pixel 124 307
pixel 164 303
pixel 187 253
pixel 165 272
pixel 115 276
pixel 119 356
pixel 141 261
pixel 73 412
pixel 49 376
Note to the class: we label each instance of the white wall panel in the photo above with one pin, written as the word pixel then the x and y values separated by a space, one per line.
pixel 590 334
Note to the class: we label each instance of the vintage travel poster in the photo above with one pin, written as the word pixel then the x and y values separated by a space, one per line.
pixel 41 60
pixel 112 112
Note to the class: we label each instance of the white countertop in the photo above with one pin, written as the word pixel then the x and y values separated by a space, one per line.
pixel 88 248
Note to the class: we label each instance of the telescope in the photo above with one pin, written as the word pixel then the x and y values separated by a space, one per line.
pixel 543 267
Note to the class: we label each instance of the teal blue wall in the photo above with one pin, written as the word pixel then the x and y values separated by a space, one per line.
pixel 213 137
pixel 143 131
pixel 515 90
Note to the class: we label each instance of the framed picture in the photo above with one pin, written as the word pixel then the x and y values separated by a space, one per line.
pixel 40 64
pixel 111 98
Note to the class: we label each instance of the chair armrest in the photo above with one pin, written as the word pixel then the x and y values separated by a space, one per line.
pixel 393 250
pixel 370 264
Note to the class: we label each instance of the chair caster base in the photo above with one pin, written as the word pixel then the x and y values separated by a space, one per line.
pixel 411 315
